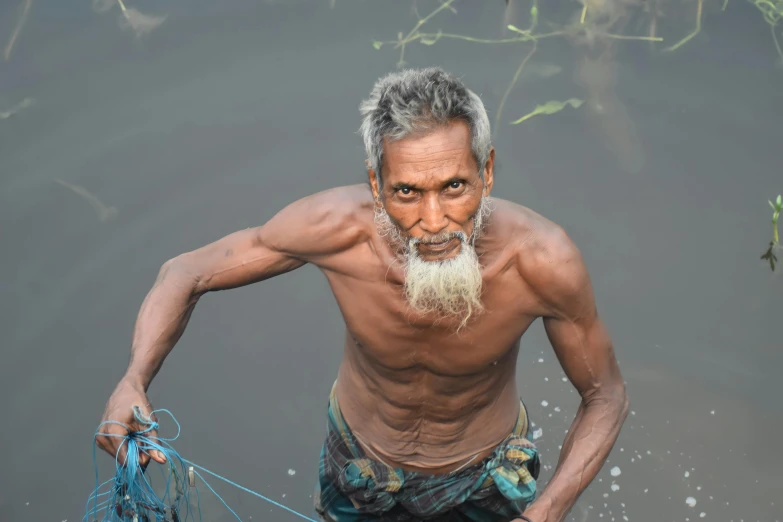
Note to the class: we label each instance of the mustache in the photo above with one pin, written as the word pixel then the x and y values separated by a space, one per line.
pixel 441 237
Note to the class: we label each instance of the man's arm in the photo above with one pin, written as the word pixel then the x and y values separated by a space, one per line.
pixel 308 230
pixel 581 343
pixel 305 230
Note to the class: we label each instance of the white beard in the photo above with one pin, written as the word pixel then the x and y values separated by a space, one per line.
pixel 449 288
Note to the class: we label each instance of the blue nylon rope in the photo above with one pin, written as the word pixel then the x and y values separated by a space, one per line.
pixel 130 496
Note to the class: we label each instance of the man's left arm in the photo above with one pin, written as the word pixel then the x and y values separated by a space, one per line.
pixel 584 349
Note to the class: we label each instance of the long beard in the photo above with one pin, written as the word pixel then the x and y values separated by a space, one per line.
pixel 450 288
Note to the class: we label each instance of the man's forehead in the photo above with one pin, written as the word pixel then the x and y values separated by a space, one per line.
pixel 427 160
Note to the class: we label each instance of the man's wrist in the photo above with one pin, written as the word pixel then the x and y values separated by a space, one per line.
pixel 135 380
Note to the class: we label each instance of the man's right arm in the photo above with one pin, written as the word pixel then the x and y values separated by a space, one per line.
pixel 308 230
pixel 304 231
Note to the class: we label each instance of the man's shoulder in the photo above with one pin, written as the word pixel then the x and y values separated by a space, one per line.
pixel 336 207
pixel 529 232
pixel 545 256
pixel 324 222
pixel 345 198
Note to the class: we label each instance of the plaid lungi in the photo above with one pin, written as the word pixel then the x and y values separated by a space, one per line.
pixel 353 487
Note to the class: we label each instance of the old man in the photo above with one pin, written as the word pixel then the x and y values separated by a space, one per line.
pixel 437 282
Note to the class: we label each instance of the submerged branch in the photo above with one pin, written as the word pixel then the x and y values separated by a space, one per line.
pixel 513 82
pixel 17 28
pixel 697 29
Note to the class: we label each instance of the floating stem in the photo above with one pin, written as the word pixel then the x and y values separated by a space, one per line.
pixel 696 30
pixel 17 28
pixel 513 82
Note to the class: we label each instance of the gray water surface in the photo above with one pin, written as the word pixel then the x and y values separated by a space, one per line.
pixel 229 110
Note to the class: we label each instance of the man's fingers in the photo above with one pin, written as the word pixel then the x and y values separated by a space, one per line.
pixel 156 455
pixel 159 457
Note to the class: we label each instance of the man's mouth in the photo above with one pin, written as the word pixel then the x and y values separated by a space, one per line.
pixel 439 247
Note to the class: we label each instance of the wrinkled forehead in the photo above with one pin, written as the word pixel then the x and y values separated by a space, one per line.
pixel 431 157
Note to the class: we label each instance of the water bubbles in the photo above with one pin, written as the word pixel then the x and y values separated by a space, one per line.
pixel 537 433
pixel 615 487
pixel 687 474
pixel 292 472
pixel 541 360
pixel 544 404
pixel 690 501
pixel 615 471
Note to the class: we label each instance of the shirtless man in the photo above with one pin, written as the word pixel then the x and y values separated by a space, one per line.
pixel 436 283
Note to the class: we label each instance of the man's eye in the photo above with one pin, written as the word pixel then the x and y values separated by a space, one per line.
pixel 455 184
pixel 405 190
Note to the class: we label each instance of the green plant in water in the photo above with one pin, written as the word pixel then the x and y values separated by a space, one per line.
pixel 769 255
pixel 773 14
pixel 528 35
pixel 550 107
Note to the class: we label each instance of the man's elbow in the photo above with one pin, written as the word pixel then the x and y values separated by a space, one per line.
pixel 612 397
pixel 619 397
pixel 180 272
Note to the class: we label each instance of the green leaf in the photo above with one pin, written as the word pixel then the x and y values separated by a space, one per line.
pixel 426 40
pixel 779 201
pixel 377 44
pixel 771 204
pixel 550 107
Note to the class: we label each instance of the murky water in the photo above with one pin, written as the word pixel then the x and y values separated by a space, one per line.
pixel 227 111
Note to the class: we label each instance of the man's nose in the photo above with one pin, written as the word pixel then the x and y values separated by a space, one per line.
pixel 433 218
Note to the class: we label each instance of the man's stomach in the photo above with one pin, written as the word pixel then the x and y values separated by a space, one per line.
pixel 429 423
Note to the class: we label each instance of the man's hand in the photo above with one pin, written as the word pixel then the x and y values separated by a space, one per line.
pixel 119 408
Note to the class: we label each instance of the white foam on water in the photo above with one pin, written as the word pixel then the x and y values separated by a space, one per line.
pixel 544 404
pixel 537 433
pixel 615 487
pixel 292 472
pixel 541 360
pixel 690 501
pixel 615 471
pixel 687 474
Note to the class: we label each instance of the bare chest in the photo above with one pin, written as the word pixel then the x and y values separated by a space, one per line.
pixel 390 336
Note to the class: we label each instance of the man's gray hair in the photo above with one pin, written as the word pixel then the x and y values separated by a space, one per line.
pixel 416 100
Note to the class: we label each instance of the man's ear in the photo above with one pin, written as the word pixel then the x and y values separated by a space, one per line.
pixel 374 186
pixel 489 172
